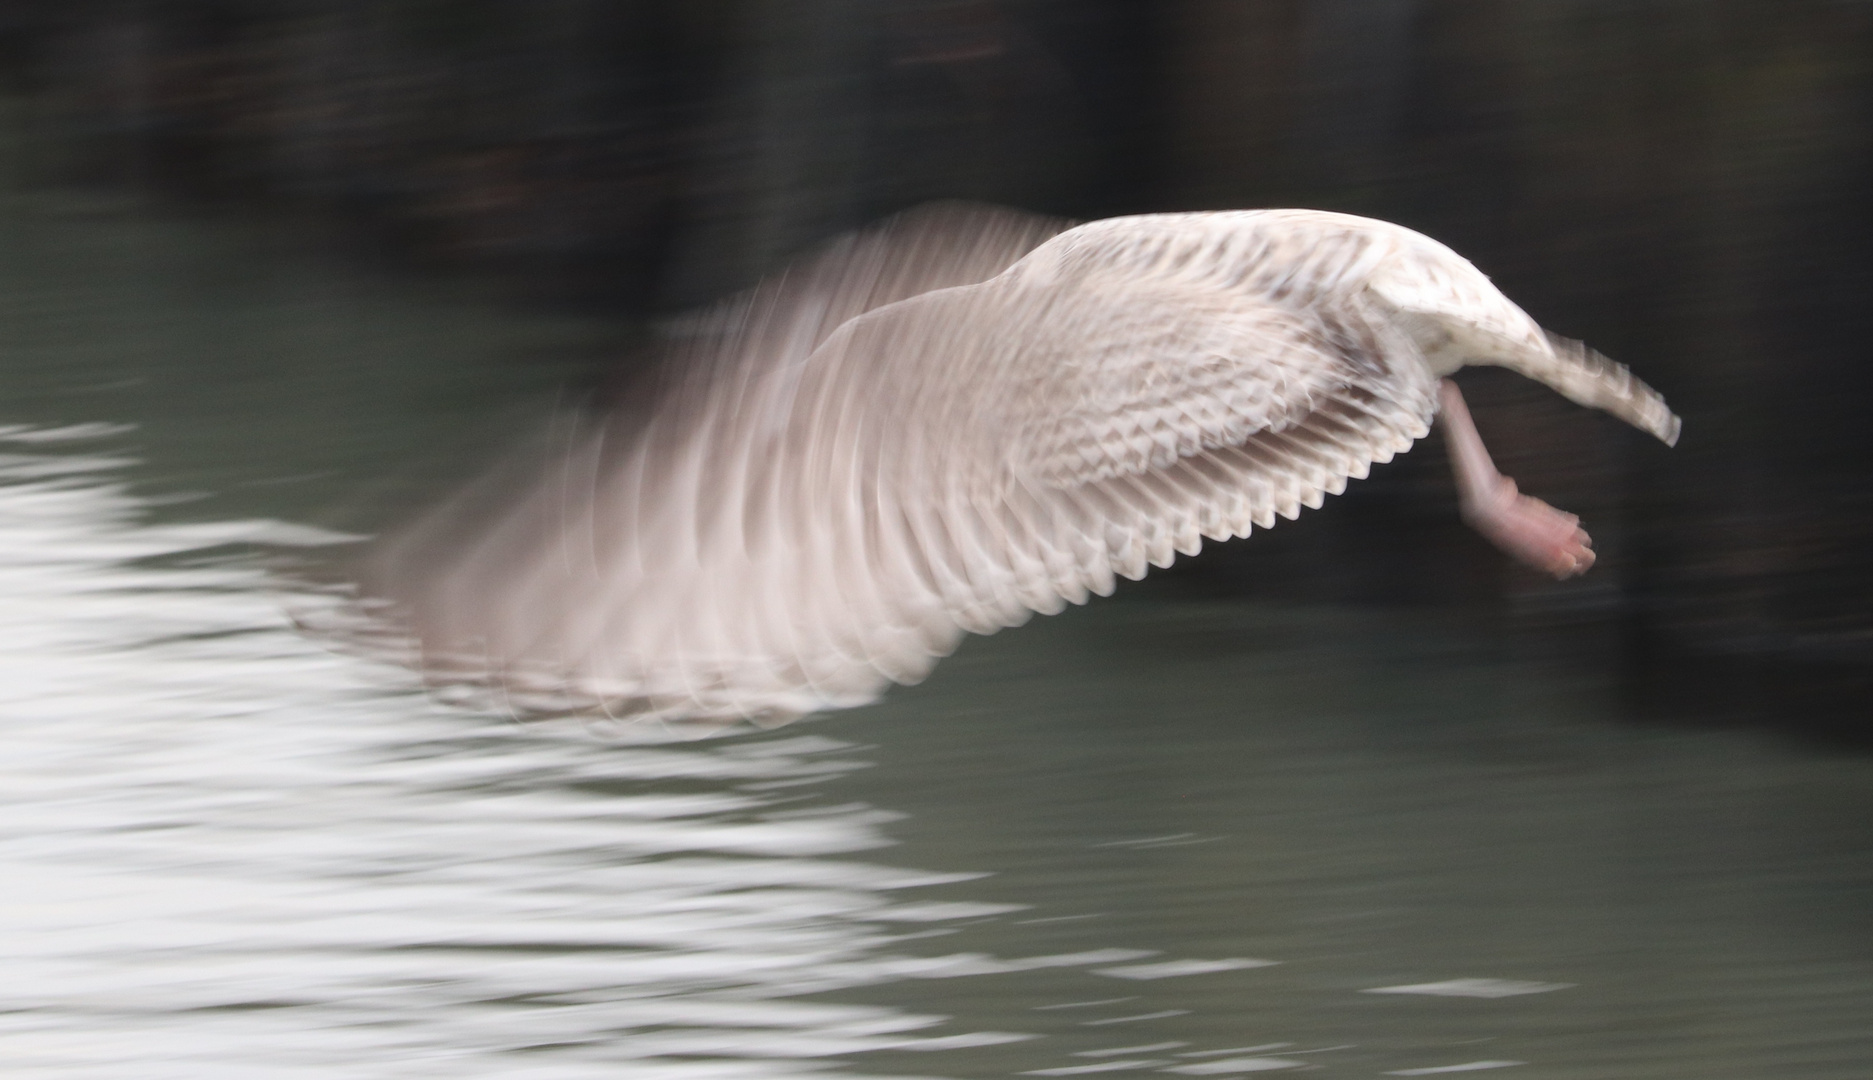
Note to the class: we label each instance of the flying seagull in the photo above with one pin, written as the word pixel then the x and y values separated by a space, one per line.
pixel 950 421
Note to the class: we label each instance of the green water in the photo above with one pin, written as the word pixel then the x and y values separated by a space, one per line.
pixel 232 853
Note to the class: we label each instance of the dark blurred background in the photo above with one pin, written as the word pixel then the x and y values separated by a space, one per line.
pixel 1683 183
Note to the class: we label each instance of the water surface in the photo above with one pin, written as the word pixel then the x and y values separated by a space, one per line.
pixel 1160 835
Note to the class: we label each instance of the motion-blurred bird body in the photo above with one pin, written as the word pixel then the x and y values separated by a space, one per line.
pixel 947 423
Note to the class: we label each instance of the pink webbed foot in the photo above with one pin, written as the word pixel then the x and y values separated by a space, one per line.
pixel 1547 539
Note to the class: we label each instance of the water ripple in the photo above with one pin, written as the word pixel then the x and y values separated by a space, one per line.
pixel 230 852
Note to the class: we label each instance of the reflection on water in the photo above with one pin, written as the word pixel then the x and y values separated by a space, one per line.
pixel 231 853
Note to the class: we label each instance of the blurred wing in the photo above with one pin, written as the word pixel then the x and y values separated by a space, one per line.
pixel 604 569
pixel 802 528
pixel 778 323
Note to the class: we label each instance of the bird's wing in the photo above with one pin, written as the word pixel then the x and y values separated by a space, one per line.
pixel 1040 441
pixel 953 463
pixel 601 569
pixel 835 505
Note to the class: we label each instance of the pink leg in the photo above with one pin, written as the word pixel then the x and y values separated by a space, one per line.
pixel 1527 528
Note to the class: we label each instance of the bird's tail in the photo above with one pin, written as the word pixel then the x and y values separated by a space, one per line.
pixel 1578 373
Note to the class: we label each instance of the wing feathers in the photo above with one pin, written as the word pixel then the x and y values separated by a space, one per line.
pixel 858 463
